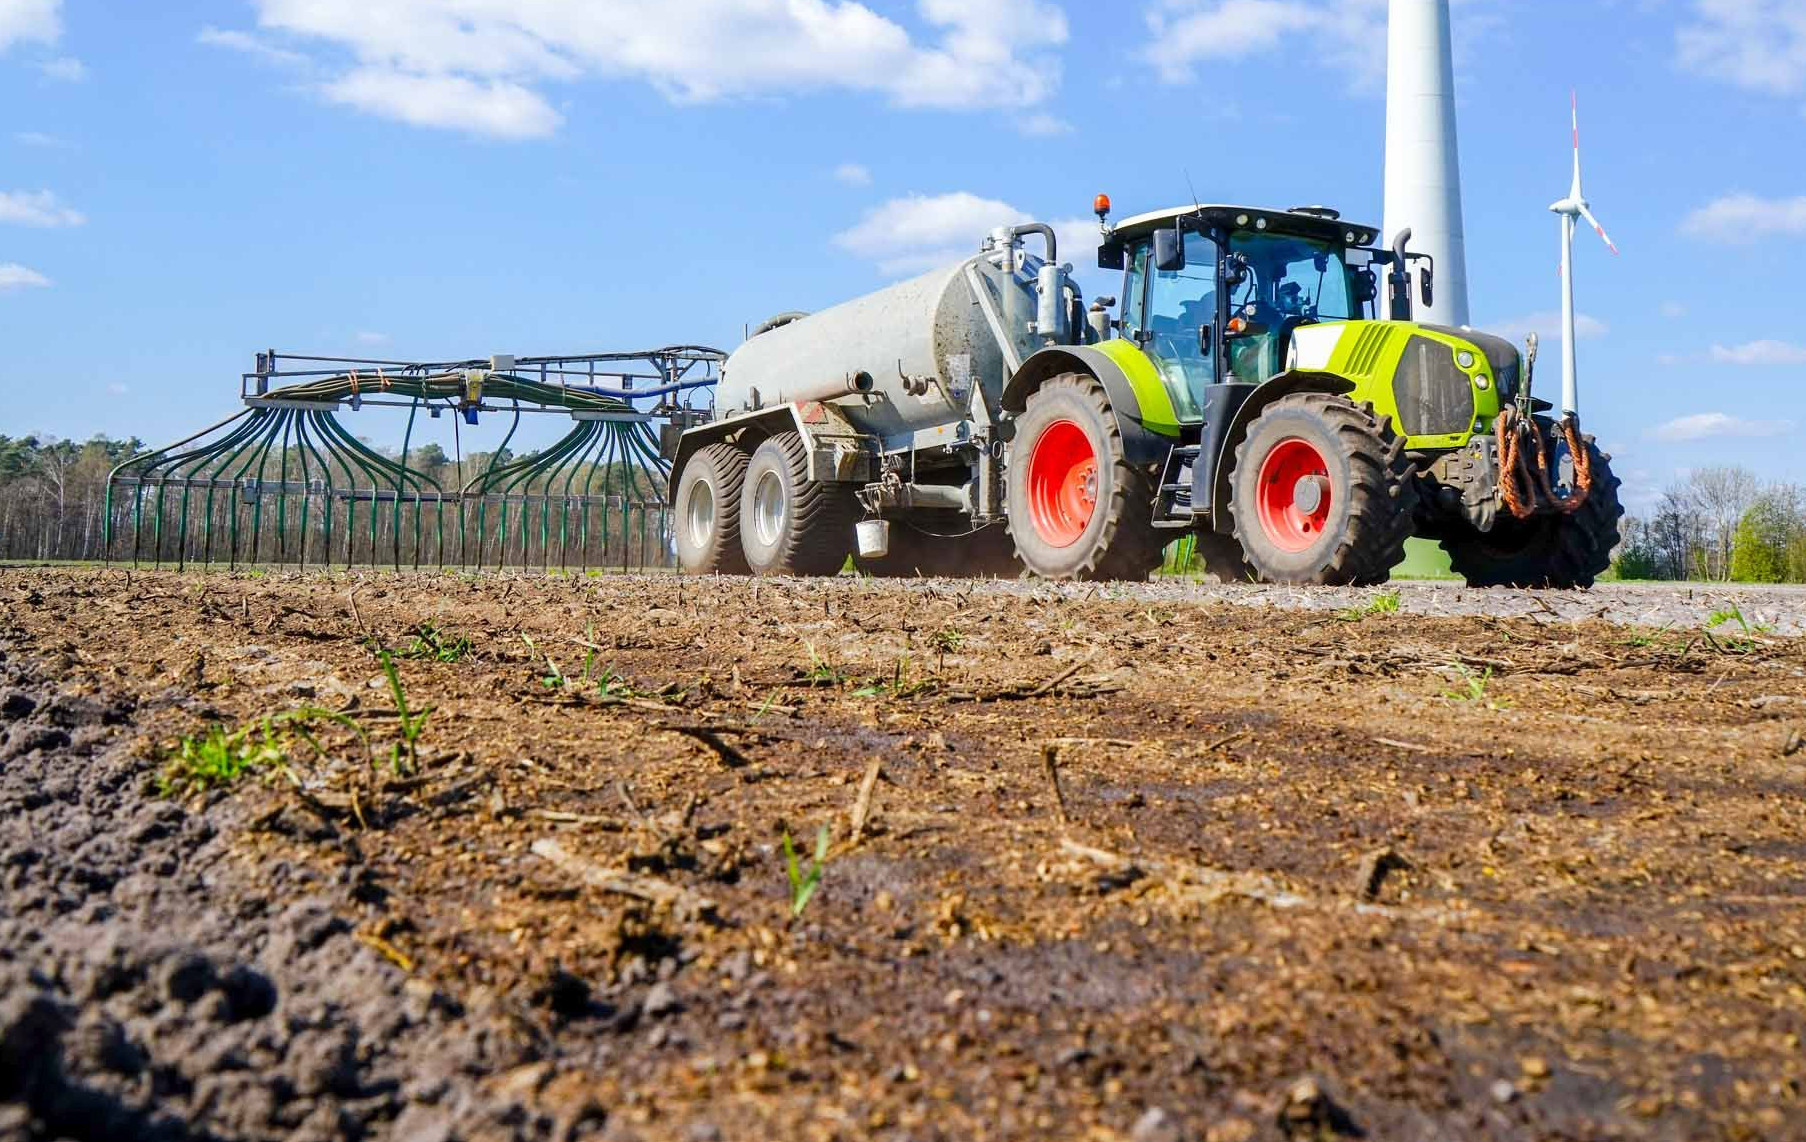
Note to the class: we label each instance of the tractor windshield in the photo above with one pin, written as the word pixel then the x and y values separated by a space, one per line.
pixel 1277 282
pixel 1292 276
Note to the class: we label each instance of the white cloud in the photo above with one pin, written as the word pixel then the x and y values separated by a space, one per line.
pixel 919 232
pixel 1186 32
pixel 65 69
pixel 1706 425
pixel 24 208
pixel 1041 125
pixel 1673 310
pixel 1349 35
pixel 14 276
pixel 250 45
pixel 853 174
pixel 365 337
pixel 1745 219
pixel 486 107
pixel 481 64
pixel 1760 353
pixel 1547 326
pixel 33 20
pixel 1758 45
pixel 40 139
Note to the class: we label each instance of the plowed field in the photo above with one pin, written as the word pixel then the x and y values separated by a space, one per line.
pixel 1101 863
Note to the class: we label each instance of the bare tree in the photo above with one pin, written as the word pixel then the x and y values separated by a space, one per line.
pixel 1721 494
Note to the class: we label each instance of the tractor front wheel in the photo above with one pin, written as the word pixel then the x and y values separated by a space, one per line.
pixel 1077 508
pixel 708 511
pixel 1322 492
pixel 1545 550
pixel 790 524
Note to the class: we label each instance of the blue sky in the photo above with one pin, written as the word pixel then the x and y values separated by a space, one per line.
pixel 183 183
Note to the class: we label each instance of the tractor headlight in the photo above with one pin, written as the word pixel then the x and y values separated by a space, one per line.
pixel 1483 382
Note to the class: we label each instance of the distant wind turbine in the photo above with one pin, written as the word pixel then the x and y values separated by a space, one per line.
pixel 1571 209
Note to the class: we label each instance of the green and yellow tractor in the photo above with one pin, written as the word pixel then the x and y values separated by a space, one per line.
pixel 1246 388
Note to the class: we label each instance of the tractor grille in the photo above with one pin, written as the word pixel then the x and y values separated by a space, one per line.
pixel 1367 348
pixel 1434 397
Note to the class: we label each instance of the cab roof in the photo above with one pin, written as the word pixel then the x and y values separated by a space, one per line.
pixel 1295 221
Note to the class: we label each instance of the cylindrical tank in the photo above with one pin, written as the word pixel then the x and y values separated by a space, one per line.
pixel 924 343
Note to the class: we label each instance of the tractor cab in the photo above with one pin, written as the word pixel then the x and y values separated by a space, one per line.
pixel 1214 294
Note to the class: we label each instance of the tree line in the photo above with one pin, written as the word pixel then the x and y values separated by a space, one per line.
pixel 1719 524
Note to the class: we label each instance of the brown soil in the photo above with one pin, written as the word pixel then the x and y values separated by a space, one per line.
pixel 1299 890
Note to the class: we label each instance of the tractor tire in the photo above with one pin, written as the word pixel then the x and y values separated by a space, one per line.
pixel 1322 492
pixel 1077 508
pixel 708 512
pixel 790 524
pixel 1222 557
pixel 984 554
pixel 1565 551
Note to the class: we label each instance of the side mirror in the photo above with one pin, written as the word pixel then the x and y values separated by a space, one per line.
pixel 1110 255
pixel 1204 332
pixel 1426 285
pixel 1169 251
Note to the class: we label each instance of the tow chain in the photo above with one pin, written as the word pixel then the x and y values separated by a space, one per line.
pixel 1524 473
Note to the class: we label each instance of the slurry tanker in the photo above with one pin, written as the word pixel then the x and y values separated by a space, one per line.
pixel 1245 388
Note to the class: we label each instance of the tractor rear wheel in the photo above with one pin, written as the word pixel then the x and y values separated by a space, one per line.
pixel 790 524
pixel 708 511
pixel 983 554
pixel 1545 550
pixel 1077 508
pixel 1322 492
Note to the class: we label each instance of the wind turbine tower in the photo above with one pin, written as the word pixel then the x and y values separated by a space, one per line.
pixel 1423 159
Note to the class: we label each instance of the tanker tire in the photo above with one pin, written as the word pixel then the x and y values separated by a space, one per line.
pixel 1119 540
pixel 1564 551
pixel 1371 488
pixel 708 542
pixel 984 554
pixel 790 524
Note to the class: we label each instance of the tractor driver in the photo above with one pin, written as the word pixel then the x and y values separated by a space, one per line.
pixel 1193 316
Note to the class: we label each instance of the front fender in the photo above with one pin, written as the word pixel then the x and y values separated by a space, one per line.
pixel 1143 410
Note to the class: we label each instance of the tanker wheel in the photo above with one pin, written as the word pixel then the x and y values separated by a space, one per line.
pixel 708 511
pixel 1545 550
pixel 983 554
pixel 1077 508
pixel 1322 492
pixel 790 524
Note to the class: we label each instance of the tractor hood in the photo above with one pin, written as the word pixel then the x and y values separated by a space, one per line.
pixel 1438 383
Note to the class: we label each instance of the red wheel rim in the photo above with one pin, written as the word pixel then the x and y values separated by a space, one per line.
pixel 1293 497
pixel 1062 483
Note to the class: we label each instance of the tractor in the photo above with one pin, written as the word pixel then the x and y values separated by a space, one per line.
pixel 1245 389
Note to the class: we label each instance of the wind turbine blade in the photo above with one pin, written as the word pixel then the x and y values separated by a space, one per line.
pixel 1588 215
pixel 1574 109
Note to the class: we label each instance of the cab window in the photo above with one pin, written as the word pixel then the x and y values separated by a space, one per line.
pixel 1179 304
